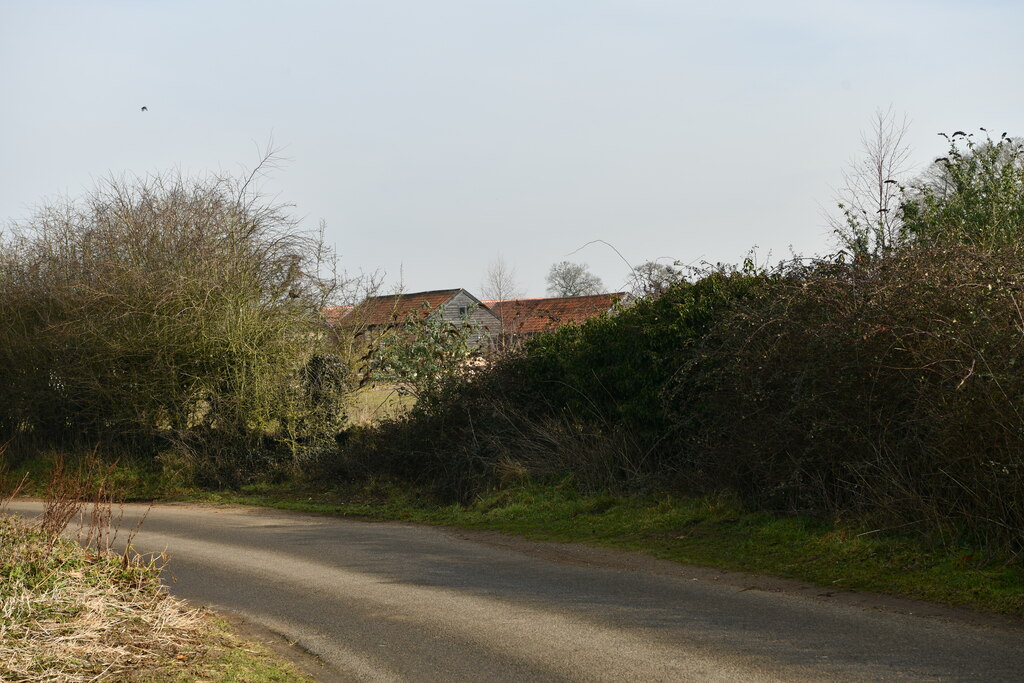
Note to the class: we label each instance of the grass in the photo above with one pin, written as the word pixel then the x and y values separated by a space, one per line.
pixel 375 402
pixel 713 531
pixel 230 659
pixel 76 611
pixel 71 613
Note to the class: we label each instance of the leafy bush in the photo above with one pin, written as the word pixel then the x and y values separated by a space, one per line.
pixel 888 389
pixel 891 389
pixel 615 368
pixel 584 401
pixel 973 195
pixel 423 354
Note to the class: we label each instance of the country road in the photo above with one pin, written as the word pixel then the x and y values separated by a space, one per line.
pixel 399 602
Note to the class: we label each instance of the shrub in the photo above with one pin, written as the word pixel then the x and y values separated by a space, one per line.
pixel 891 389
pixel 164 310
pixel 973 195
pixel 585 401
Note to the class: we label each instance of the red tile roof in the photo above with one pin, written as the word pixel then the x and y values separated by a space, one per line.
pixel 396 308
pixel 529 316
pixel 333 314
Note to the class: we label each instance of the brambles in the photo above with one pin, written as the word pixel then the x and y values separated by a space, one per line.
pixel 887 389
pixel 890 389
pixel 972 195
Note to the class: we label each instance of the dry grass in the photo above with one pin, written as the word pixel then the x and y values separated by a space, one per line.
pixel 72 609
pixel 374 403
pixel 69 613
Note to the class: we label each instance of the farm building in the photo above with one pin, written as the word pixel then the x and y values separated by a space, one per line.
pixel 499 322
pixel 522 318
pixel 456 306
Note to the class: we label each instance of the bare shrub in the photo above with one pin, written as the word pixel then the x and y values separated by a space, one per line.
pixel 166 310
pixel 9 487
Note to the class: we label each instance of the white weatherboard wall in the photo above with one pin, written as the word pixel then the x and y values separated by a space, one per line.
pixel 463 305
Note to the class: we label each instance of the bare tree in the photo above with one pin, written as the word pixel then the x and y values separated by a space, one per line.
pixel 500 281
pixel 870 222
pixel 652 278
pixel 171 311
pixel 572 279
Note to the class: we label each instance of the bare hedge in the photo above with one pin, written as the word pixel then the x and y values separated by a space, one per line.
pixel 165 312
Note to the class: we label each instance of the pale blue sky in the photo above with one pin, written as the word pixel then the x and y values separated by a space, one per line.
pixel 432 136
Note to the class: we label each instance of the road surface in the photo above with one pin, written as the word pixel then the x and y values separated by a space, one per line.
pixel 400 602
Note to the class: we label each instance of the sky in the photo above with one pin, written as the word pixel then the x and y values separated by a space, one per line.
pixel 433 137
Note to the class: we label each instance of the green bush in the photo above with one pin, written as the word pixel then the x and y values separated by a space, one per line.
pixel 973 195
pixel 891 389
pixel 585 401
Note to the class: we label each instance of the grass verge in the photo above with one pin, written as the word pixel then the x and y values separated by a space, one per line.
pixel 714 532
pixel 73 613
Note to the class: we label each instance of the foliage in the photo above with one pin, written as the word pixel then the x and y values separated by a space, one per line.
pixel 884 389
pixel 973 195
pixel 164 311
pixel 890 389
pixel 572 279
pixel 585 400
pixel 424 353
pixel 616 367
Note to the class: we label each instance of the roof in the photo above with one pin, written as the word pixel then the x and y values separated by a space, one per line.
pixel 529 316
pixel 333 314
pixel 397 308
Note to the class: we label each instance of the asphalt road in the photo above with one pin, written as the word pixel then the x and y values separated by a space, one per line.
pixel 399 602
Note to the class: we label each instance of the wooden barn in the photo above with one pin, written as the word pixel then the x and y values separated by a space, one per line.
pixel 456 306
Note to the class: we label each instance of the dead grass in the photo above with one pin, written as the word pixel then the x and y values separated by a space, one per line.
pixel 72 609
pixel 69 613
pixel 374 403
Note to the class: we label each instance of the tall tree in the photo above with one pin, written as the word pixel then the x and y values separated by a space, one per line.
pixel 572 279
pixel 500 281
pixel 870 221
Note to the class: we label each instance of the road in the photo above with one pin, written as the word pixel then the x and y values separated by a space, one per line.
pixel 400 602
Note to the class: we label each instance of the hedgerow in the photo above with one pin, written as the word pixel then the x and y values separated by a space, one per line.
pixel 168 313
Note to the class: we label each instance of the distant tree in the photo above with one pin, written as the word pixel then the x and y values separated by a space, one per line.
pixel 974 194
pixel 500 281
pixel 869 201
pixel 652 278
pixel 572 279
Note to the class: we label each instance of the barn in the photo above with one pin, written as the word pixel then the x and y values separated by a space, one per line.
pixel 457 306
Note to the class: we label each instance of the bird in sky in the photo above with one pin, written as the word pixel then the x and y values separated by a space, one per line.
pixel 145 109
